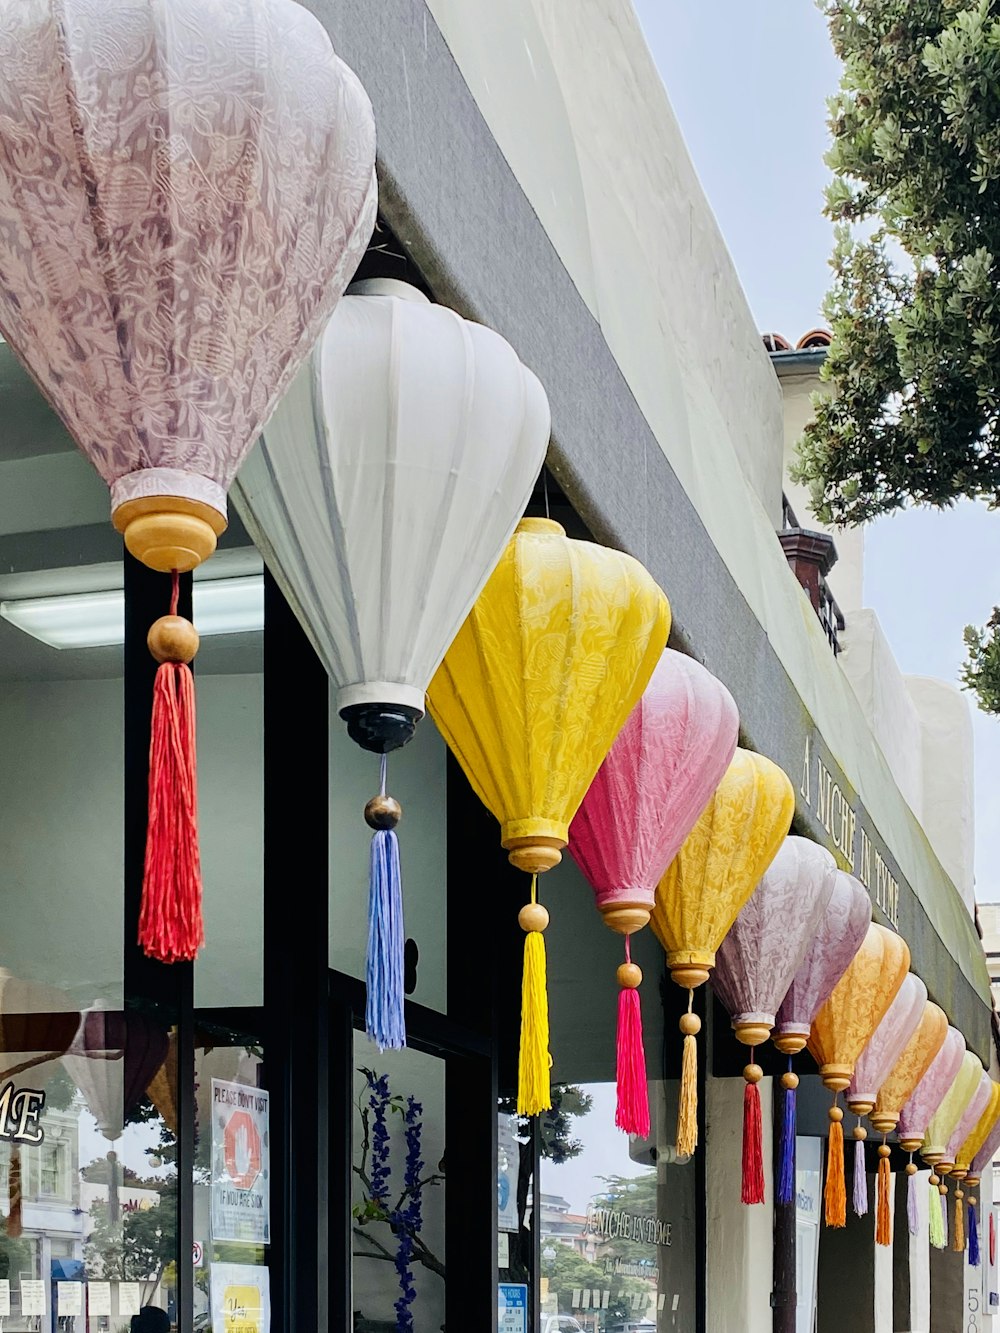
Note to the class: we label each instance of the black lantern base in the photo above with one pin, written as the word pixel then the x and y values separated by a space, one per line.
pixel 380 728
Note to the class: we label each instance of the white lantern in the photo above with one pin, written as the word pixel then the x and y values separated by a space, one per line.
pixel 382 495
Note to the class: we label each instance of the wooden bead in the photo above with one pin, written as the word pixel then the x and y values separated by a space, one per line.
pixel 860 1133
pixel 172 639
pixel 972 1201
pixel 935 1178
pixel 629 975
pixel 790 1080
pixel 753 1073
pixel 884 1150
pixel 383 812
pixel 835 1114
pixel 690 1025
pixel 911 1168
pixel 533 916
pixel 942 1188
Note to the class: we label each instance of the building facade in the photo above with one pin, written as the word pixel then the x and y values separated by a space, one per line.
pixel 531 176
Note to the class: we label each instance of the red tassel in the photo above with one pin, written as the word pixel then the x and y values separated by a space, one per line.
pixel 170 921
pixel 753 1139
pixel 632 1113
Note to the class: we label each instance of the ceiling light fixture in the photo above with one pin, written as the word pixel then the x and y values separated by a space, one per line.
pixel 97 619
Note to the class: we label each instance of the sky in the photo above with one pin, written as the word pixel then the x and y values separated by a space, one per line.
pixel 748 84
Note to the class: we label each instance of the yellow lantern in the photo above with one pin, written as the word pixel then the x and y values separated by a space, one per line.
pixel 953 1105
pixel 967 1152
pixel 736 838
pixel 530 696
pixel 840 1032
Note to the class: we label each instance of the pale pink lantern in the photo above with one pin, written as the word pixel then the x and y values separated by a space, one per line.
pixel 757 960
pixel 186 187
pixel 668 758
pixel 930 1092
pixel 874 1066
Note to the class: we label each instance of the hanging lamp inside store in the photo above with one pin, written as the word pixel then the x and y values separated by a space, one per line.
pixel 896 1089
pixel 754 967
pixel 873 1067
pixel 178 227
pixel 382 495
pixel 841 1030
pixel 539 681
pixel 713 874
pixel 837 937
pixel 669 757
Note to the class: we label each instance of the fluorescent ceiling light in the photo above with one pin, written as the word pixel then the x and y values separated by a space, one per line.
pixel 97 619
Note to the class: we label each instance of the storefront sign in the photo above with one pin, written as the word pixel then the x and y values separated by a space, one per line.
pixel 69 1298
pixel 512 1308
pixel 4 1297
pixel 613 1224
pixel 32 1296
pixel 240 1164
pixel 20 1109
pixel 99 1299
pixel 241 1298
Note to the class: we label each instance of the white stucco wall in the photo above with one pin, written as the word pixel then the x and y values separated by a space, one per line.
pixel 948 777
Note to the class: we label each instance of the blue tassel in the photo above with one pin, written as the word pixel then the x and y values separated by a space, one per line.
pixel 384 1020
pixel 973 1237
pixel 786 1170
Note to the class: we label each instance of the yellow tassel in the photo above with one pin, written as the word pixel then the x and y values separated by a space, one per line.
pixel 687 1107
pixel 883 1220
pixel 835 1193
pixel 958 1227
pixel 534 1092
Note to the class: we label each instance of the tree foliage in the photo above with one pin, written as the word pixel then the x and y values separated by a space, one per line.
pixel 914 369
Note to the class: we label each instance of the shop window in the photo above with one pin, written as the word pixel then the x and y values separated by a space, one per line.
pixel 398 1189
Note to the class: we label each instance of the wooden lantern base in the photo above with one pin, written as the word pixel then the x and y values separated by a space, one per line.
pixel 168 532
pixel 625 918
pixel 535 855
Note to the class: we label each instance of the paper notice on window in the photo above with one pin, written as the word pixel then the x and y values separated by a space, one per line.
pixel 241 1166
pixel 241 1299
pixel 99 1299
pixel 69 1298
pixel 129 1298
pixel 4 1298
pixel 32 1296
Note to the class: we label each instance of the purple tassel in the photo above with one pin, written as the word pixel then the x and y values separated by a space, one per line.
pixel 786 1170
pixel 973 1237
pixel 384 1021
pixel 944 1215
pixel 860 1179
pixel 912 1215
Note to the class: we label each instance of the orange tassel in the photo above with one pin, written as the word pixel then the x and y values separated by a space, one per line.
pixel 883 1219
pixel 835 1193
pixel 958 1227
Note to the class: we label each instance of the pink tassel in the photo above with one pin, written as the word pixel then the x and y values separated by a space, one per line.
pixel 753 1140
pixel 632 1114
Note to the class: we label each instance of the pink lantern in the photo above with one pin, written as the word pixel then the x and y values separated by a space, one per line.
pixel 838 938
pixel 983 1159
pixel 930 1091
pixel 668 758
pixel 755 964
pixel 186 187
pixel 767 942
pixel 876 1061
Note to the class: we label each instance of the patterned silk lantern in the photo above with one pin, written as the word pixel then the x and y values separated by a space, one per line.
pixel 896 1090
pixel 923 1102
pixel 185 190
pixel 668 759
pixel 978 1105
pixel 940 1129
pixel 551 660
pixel 874 1065
pixel 841 1030
pixel 982 1162
pixel 963 1166
pixel 839 936
pixel 382 495
pixel 755 966
pixel 716 870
